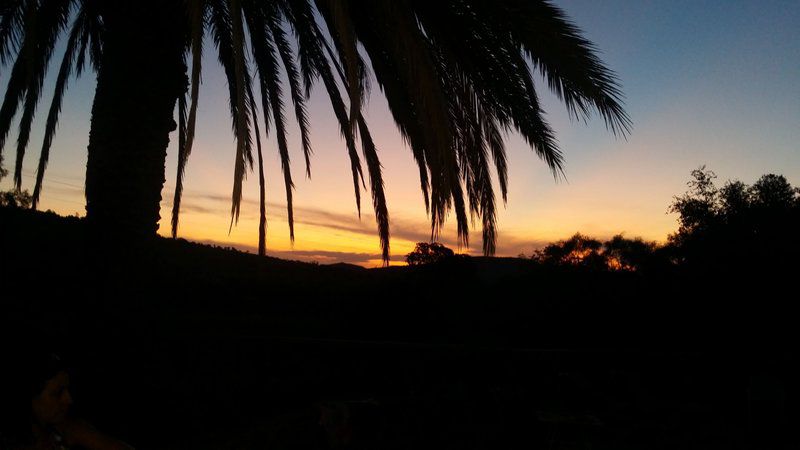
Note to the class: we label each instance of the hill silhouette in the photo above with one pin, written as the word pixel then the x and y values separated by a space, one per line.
pixel 498 301
pixel 223 349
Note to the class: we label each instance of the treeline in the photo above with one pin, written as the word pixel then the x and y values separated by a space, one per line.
pixel 618 253
pixel 735 227
pixel 732 227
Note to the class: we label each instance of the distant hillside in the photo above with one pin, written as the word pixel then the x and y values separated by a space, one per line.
pixel 183 345
pixel 476 301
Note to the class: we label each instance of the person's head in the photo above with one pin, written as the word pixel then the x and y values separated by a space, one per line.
pixel 49 391
pixel 36 393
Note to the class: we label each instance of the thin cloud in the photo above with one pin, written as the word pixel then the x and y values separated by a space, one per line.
pixel 401 228
pixel 321 256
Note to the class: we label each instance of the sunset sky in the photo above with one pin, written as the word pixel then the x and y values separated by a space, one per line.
pixel 713 83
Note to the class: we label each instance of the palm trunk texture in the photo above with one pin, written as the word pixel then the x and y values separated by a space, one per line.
pixel 142 74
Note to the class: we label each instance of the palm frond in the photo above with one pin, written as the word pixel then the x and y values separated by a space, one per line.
pixel 181 122
pixel 242 123
pixel 196 10
pixel 264 55
pixel 54 17
pixel 340 25
pixel 80 62
pixel 472 143
pixel 96 30
pixel 376 185
pixel 491 59
pixel 316 47
pixel 497 146
pixel 566 59
pixel 92 37
pixel 278 118
pixel 287 58
pixel 225 25
pixel 256 20
pixel 76 45
pixel 262 195
pixel 404 116
pixel 24 133
pixel 299 14
pixel 374 168
pixel 12 20
pixel 176 200
pixel 41 30
pixel 406 69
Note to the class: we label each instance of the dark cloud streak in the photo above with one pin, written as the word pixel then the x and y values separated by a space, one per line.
pixel 401 228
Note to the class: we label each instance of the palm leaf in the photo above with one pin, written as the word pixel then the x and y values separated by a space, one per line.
pixel 224 18
pixel 263 47
pixel 196 18
pixel 472 143
pixel 182 130
pixel 322 66
pixel 411 78
pixel 491 59
pixel 292 73
pixel 91 39
pixel 375 176
pixel 340 26
pixel 76 44
pixel 262 196
pixel 300 15
pixel 376 185
pixel 41 29
pixel 566 59
pixel 242 125
pixel 276 104
pixel 12 21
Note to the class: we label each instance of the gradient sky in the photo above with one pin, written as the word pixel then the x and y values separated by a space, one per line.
pixel 706 82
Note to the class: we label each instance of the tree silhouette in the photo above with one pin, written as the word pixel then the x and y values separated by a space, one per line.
pixel 578 250
pixel 617 254
pixel 428 253
pixel 15 198
pixel 737 225
pixel 455 74
pixel 631 254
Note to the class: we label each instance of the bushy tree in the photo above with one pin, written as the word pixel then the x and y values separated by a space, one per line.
pixel 635 254
pixel 577 250
pixel 737 224
pixel 15 198
pixel 699 207
pixel 618 253
pixel 428 253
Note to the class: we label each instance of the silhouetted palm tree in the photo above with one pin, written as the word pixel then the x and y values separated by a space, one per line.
pixel 456 74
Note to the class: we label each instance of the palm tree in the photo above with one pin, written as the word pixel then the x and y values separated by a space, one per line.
pixel 457 75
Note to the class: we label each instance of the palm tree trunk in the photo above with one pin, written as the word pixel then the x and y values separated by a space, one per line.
pixel 142 73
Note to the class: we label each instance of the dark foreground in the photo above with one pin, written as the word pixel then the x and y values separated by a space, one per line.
pixel 177 345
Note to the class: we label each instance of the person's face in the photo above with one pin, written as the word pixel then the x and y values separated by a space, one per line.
pixel 52 404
